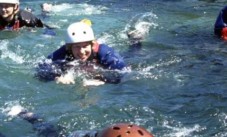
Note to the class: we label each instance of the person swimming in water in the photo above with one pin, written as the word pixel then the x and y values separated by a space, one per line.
pixel 220 26
pixel 46 7
pixel 81 46
pixel 115 130
pixel 47 129
pixel 14 18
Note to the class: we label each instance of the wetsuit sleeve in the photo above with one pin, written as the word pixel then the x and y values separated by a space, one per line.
pixel 59 54
pixel 52 67
pixel 221 22
pixel 43 128
pixel 110 59
pixel 28 19
pixel 48 70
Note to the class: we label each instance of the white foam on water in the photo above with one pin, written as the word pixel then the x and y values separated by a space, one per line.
pixel 12 108
pixel 6 53
pixel 61 7
pixel 77 9
pixel 15 110
pixel 179 131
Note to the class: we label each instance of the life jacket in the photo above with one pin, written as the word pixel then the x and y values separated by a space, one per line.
pixel 15 26
pixel 221 23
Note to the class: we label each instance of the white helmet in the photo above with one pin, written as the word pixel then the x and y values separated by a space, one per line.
pixel 79 32
pixel 10 1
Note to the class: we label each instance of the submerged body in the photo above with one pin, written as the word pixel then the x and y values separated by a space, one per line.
pixel 220 27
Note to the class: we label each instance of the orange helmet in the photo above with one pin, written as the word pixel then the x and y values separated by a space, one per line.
pixel 125 130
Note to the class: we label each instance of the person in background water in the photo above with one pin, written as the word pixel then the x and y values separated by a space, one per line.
pixel 46 7
pixel 115 130
pixel 46 129
pixel 81 46
pixel 220 27
pixel 135 37
pixel 13 18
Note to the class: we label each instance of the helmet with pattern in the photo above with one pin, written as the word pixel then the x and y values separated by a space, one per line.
pixel 10 1
pixel 124 130
pixel 79 32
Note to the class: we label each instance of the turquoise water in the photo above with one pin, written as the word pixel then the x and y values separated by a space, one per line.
pixel 175 88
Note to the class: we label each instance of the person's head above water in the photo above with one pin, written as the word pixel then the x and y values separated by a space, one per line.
pixel 79 32
pixel 80 39
pixel 46 7
pixel 124 130
pixel 8 8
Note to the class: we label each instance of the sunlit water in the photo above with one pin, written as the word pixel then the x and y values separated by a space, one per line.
pixel 175 86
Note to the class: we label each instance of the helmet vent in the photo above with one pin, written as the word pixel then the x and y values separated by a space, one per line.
pixel 119 136
pixel 84 32
pixel 129 126
pixel 73 33
pixel 116 128
pixel 140 132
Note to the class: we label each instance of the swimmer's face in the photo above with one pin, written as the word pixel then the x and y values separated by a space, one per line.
pixel 7 11
pixel 82 50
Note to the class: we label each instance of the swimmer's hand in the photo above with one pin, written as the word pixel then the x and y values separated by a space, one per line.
pixel 65 79
pixel 93 82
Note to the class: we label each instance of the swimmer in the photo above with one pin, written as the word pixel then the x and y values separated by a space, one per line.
pixel 137 35
pixel 81 46
pixel 14 18
pixel 46 7
pixel 47 129
pixel 220 27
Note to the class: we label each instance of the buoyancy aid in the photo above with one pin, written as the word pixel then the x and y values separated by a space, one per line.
pixel 14 27
pixel 221 24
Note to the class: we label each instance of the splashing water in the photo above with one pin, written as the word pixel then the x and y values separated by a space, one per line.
pixel 13 108
pixel 77 9
pixel 6 53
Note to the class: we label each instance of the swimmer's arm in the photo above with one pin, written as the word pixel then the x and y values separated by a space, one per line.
pixel 110 59
pixel 43 128
pixel 65 79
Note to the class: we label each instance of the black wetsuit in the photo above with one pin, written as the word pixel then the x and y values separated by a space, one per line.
pixel 21 19
pixel 43 128
pixel 46 129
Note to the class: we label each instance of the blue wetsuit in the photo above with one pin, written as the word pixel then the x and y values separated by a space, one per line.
pixel 105 57
pixel 221 22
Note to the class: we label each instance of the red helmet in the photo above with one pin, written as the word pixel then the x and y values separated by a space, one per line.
pixel 125 130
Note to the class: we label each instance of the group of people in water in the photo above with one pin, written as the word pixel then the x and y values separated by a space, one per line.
pixel 80 46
